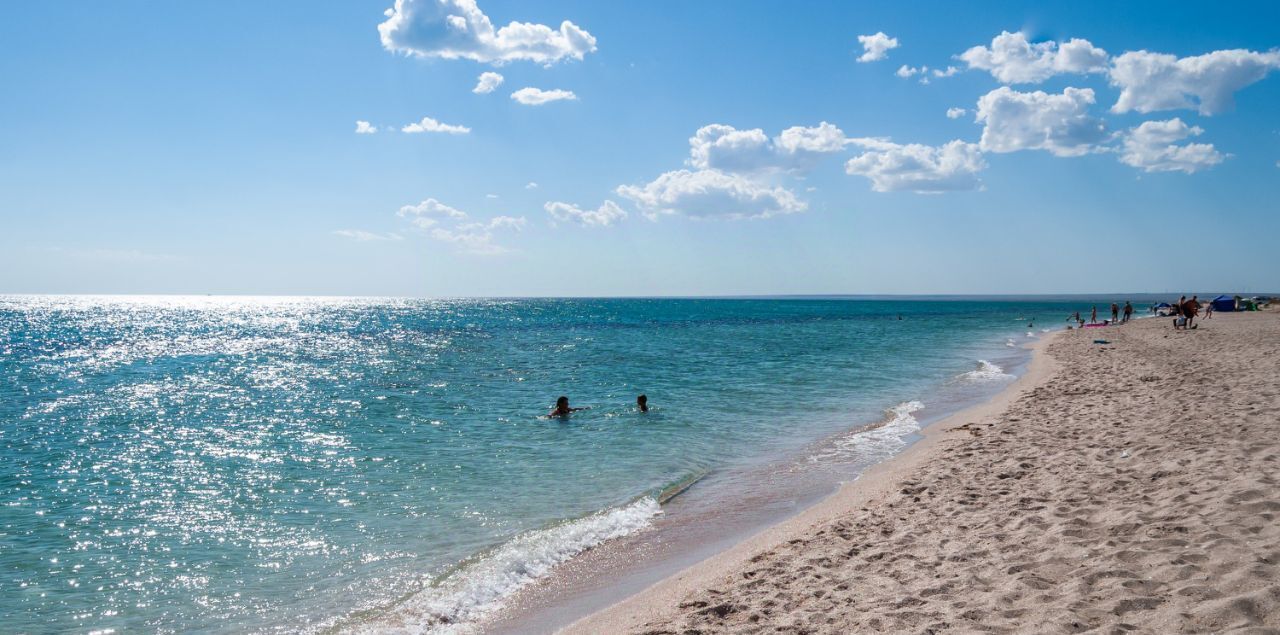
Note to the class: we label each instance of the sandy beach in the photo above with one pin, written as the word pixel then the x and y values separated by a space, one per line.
pixel 1119 487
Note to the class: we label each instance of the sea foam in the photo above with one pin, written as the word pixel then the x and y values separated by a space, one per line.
pixel 454 603
pixel 878 441
pixel 986 371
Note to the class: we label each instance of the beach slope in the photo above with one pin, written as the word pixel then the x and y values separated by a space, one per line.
pixel 1122 487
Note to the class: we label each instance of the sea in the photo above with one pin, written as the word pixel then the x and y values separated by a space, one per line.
pixel 214 464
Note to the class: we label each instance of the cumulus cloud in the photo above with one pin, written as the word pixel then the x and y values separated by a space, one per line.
pixel 1058 123
pixel 723 147
pixel 452 225
pixel 1207 83
pixel 918 168
pixel 431 125
pixel 363 127
pixel 955 113
pixel 905 71
pixel 876 46
pixel 429 213
pixel 487 82
pixel 924 72
pixel 1014 60
pixel 531 185
pixel 536 96
pixel 711 194
pixel 823 138
pixel 1153 147
pixel 458 29
pixel 364 236
pixel 607 214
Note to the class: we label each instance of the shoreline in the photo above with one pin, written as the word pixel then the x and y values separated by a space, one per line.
pixel 708 524
pixel 1127 485
pixel 878 480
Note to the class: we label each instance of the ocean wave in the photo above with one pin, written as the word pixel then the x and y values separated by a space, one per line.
pixel 986 371
pixel 878 441
pixel 454 603
pixel 1010 343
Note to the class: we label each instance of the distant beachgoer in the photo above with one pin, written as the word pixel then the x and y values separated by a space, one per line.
pixel 1115 312
pixel 1128 310
pixel 562 408
pixel 1208 310
pixel 1093 315
pixel 642 402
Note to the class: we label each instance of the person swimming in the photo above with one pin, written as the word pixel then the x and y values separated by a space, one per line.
pixel 562 408
pixel 642 402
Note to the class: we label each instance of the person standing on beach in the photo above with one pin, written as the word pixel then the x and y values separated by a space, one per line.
pixel 1191 309
pixel 1128 310
pixel 1115 312
pixel 1208 309
pixel 1093 315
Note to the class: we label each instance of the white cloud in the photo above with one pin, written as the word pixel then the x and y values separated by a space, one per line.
pixel 1154 81
pixel 876 46
pixel 363 127
pixel 458 29
pixel 1058 123
pixel 823 138
pixel 1013 60
pixel 918 168
pixel 711 194
pixel 429 213
pixel 905 71
pixel 364 236
pixel 955 113
pixel 531 185
pixel 924 72
pixel 536 96
pixel 487 82
pixel 431 125
pixel 607 214
pixel 491 196
pixel 450 225
pixel 725 148
pixel 1152 146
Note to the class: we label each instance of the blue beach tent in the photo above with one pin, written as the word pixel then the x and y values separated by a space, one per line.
pixel 1224 303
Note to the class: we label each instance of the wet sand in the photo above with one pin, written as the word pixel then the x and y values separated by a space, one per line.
pixel 1125 487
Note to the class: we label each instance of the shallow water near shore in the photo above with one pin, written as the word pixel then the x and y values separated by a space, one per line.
pixel 211 464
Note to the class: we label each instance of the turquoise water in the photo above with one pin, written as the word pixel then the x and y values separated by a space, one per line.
pixel 217 464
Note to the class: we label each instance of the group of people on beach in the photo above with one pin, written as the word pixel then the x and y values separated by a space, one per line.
pixel 1185 312
pixel 1116 318
pixel 562 408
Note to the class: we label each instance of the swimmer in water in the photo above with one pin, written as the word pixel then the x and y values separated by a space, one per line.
pixel 642 402
pixel 562 408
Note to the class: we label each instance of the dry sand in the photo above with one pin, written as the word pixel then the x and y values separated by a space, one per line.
pixel 1128 487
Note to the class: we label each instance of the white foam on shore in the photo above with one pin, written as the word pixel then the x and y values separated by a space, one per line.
pixel 986 371
pixel 876 442
pixel 455 603
pixel 1010 343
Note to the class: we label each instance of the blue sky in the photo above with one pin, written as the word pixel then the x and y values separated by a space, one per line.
pixel 213 148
